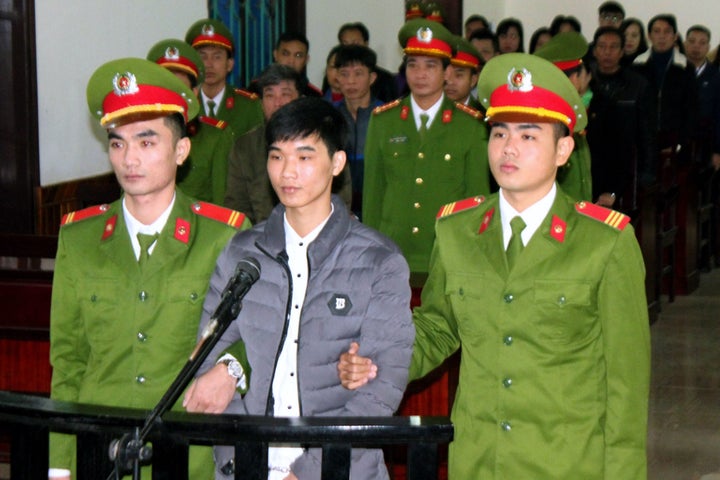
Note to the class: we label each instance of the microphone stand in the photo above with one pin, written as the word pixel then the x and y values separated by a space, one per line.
pixel 129 451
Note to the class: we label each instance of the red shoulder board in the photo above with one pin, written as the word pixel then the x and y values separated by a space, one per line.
pixel 460 205
pixel 83 214
pixel 221 214
pixel 214 122
pixel 469 110
pixel 387 106
pixel 610 217
pixel 246 94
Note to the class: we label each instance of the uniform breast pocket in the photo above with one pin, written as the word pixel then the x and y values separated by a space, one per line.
pixel 469 298
pixel 190 290
pixel 565 311
pixel 99 301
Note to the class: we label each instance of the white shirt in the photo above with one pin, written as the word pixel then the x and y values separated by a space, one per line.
pixel 217 99
pixel 532 216
pixel 431 112
pixel 134 226
pixel 284 384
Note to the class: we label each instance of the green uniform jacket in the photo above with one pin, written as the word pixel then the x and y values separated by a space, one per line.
pixel 240 108
pixel 119 335
pixel 204 173
pixel 555 355
pixel 407 181
pixel 575 177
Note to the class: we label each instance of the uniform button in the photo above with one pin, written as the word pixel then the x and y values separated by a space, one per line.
pixel 415 230
pixel 507 382
pixel 505 425
pixel 141 337
pixel 93 298
pixel 395 155
pixel 448 157
pixel 140 379
pixel 421 155
pixel 193 296
pixel 562 300
pixel 142 296
pixel 508 340
pixel 416 204
pixel 509 297
pixel 419 181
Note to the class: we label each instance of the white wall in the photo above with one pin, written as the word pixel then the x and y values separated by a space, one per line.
pixel 74 37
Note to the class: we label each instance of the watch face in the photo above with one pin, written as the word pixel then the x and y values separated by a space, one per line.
pixel 234 368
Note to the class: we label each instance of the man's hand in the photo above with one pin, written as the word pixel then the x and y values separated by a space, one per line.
pixel 716 161
pixel 355 371
pixel 211 392
pixel 606 200
pixel 291 476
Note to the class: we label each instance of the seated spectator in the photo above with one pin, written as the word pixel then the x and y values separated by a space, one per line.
pixel 633 31
pixel 474 23
pixel 564 23
pixel 384 88
pixel 539 38
pixel 510 36
pixel 331 84
pixel 356 73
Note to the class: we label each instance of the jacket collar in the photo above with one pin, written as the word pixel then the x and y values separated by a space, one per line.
pixel 677 58
pixel 273 238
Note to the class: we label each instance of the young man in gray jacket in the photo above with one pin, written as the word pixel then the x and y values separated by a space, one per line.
pixel 326 280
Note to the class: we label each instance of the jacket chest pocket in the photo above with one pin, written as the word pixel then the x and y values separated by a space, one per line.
pixel 469 296
pixel 565 312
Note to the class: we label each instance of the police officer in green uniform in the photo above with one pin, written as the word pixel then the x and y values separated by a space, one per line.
pixel 566 50
pixel 130 277
pixel 422 151
pixel 463 74
pixel 204 173
pixel 229 108
pixel 545 299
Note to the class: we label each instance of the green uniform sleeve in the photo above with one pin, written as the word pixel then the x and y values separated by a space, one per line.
pixel 374 181
pixel 477 169
pixel 219 164
pixel 622 308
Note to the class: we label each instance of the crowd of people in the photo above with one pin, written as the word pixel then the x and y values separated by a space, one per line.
pixel 480 174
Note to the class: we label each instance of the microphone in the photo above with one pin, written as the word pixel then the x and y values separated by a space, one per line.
pixel 246 274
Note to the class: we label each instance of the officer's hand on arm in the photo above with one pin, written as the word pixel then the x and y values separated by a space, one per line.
pixel 211 392
pixel 606 200
pixel 291 476
pixel 716 161
pixel 355 371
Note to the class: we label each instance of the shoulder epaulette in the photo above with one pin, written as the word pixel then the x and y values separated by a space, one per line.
pixel 218 213
pixel 460 205
pixel 213 122
pixel 605 215
pixel 469 110
pixel 83 214
pixel 246 93
pixel 386 107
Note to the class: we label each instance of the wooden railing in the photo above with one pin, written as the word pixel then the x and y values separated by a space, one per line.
pixel 29 419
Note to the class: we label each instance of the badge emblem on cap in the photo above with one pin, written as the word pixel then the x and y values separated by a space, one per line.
pixel 424 35
pixel 520 80
pixel 125 84
pixel 208 30
pixel 172 53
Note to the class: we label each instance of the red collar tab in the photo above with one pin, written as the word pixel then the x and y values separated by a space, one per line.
pixel 109 227
pixel 486 220
pixel 558 227
pixel 404 112
pixel 447 116
pixel 182 230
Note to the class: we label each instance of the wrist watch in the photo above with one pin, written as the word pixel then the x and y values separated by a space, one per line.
pixel 234 369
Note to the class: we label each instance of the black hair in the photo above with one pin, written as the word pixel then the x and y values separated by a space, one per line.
pixel 643 46
pixel 176 123
pixel 560 130
pixel 477 18
pixel 359 26
pixel 611 7
pixel 611 30
pixel 305 117
pixel 287 37
pixel 276 73
pixel 483 34
pixel 669 18
pixel 559 20
pixel 351 54
pixel 536 37
pixel 506 25
pixel 698 28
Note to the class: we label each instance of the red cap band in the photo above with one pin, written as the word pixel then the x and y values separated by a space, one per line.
pixel 148 99
pixel 568 64
pixel 214 39
pixel 536 103
pixel 180 63
pixel 434 48
pixel 463 59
